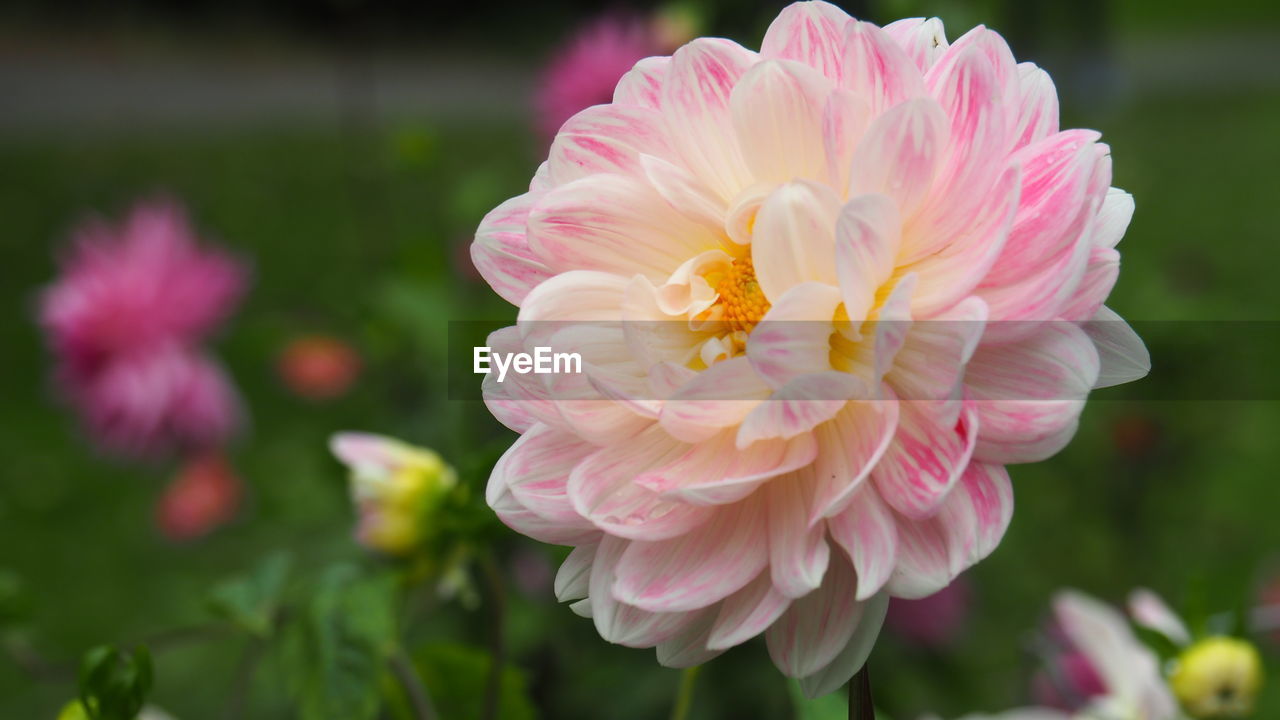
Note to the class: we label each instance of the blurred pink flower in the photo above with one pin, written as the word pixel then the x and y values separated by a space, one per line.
pixel 205 495
pixel 584 71
pixel 126 320
pixel 319 367
pixel 1097 667
pixel 823 294
pixel 932 621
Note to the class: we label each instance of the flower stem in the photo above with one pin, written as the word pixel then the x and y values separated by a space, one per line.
pixel 497 641
pixel 419 699
pixel 684 696
pixel 860 705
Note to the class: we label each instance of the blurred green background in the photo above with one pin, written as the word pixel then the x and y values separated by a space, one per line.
pixel 351 166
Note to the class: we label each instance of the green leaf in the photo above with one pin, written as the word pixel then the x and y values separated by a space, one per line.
pixel 456 676
pixel 334 653
pixel 113 684
pixel 251 602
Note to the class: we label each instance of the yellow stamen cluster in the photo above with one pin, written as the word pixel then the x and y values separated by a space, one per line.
pixel 742 301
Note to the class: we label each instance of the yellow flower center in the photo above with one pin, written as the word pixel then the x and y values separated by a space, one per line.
pixel 742 301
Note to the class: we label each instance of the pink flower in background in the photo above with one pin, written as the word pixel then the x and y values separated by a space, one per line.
pixel 584 71
pixel 824 294
pixel 933 621
pixel 205 495
pixel 126 321
pixel 319 367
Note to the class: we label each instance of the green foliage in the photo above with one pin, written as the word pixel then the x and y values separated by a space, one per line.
pixel 114 684
pixel 334 652
pixel 251 601
pixel 15 602
pixel 456 676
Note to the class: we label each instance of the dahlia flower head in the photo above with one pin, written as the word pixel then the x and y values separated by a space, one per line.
pixel 824 293
pixel 127 320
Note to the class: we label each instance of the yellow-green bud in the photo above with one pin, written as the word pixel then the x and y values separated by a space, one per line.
pixel 395 487
pixel 1217 677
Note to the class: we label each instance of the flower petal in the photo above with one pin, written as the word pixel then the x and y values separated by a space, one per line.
pixel 794 238
pixel 794 339
pixel 811 33
pixel 695 104
pixel 641 86
pixel 621 623
pixel 501 251
pixel 855 652
pixel 717 472
pixel 929 452
pixel 867 531
pixel 798 551
pixel 817 627
pixel 876 68
pixel 923 40
pixel 867 239
pixel 900 154
pixel 718 397
pixel 574 576
pixel 849 447
pixel 536 471
pixel 697 569
pixel 747 613
pixel 689 646
pixel 1122 356
pixel 777 111
pixel 1038 108
pixel 800 406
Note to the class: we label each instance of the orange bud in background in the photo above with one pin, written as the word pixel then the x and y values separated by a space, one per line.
pixel 318 367
pixel 205 495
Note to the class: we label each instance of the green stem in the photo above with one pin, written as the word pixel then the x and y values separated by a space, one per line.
pixel 419 699
pixel 497 639
pixel 860 704
pixel 684 696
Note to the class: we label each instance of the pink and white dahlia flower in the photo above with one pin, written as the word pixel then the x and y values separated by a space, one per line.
pixel 127 320
pixel 824 294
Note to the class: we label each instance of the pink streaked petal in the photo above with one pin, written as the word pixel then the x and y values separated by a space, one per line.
pixel 800 406
pixel 536 470
pixel 953 274
pixel 811 33
pixel 867 239
pixel 813 631
pixel 976 514
pixel 777 117
pixel 1113 219
pixel 900 154
pixel 794 338
pixel 602 488
pixel 876 68
pixel 866 529
pixel 642 85
pixel 1015 309
pixel 685 192
pixel 614 223
pixel 747 613
pixel 716 472
pixel 501 250
pixel 794 238
pixel 1150 611
pixel 698 569
pixel 688 647
pixel 739 224
pixel 929 452
pixel 1038 109
pixel 573 579
pixel 849 447
pixel 923 560
pixel 851 659
pixel 606 139
pixel 695 103
pixel 1100 275
pixel 968 90
pixel 1122 356
pixel 584 296
pixel 621 623
pixel 518 401
pixel 923 40
pixel 798 551
pixel 526 522
pixel 1028 395
pixel 718 397
pixel 845 118
pixel 1055 173
pixel 892 323
pixel 931 362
